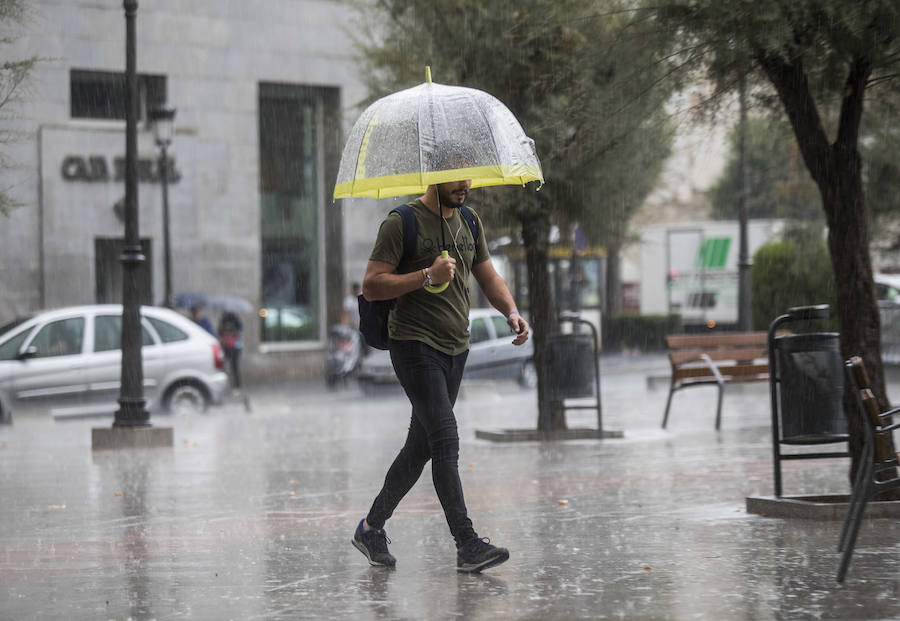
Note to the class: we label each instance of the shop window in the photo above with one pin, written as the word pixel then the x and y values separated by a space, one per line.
pixel 291 211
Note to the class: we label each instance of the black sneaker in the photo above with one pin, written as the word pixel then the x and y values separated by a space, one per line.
pixel 477 554
pixel 373 544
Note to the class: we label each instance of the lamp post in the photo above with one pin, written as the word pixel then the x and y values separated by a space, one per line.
pixel 163 121
pixel 132 411
pixel 131 426
pixel 744 309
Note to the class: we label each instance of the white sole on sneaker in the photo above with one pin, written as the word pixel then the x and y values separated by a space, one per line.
pixel 491 562
pixel 359 546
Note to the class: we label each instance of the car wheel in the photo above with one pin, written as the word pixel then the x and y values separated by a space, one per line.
pixel 528 374
pixel 186 398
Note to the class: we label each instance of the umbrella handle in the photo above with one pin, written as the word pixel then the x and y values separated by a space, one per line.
pixel 442 286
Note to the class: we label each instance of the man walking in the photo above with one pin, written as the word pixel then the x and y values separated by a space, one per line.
pixel 429 345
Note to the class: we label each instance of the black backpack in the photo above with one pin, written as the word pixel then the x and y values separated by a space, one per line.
pixel 373 316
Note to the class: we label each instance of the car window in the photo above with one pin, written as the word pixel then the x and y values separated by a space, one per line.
pixel 10 348
pixel 108 333
pixel 59 338
pixel 478 330
pixel 887 292
pixel 167 332
pixel 500 326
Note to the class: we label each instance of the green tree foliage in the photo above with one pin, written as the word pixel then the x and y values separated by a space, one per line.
pixel 583 81
pixel 792 272
pixel 881 159
pixel 13 74
pixel 816 55
pixel 779 183
pixel 583 78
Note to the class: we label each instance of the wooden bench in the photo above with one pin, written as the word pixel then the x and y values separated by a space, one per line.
pixel 723 358
pixel 878 464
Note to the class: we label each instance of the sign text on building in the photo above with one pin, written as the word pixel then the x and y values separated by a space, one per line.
pixel 95 168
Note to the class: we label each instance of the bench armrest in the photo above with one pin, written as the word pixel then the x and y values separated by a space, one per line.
pixel 889 413
pixel 712 367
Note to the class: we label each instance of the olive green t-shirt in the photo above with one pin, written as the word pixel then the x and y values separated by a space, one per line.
pixel 440 320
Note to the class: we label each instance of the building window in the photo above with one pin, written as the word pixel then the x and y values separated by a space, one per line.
pixel 101 94
pixel 290 171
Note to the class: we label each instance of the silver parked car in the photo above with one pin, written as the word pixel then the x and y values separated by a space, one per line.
pixel 69 360
pixel 491 355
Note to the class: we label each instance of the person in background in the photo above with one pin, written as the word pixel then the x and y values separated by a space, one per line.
pixel 202 320
pixel 350 316
pixel 230 329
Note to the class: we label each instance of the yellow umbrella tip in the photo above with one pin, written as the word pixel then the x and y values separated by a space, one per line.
pixel 428 73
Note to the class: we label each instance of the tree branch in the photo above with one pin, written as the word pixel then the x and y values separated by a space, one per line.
pixel 792 85
pixel 852 104
pixel 882 78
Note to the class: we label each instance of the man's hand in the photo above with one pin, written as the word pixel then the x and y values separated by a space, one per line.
pixel 519 326
pixel 442 270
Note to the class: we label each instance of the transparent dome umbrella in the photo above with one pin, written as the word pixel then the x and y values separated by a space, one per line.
pixel 434 133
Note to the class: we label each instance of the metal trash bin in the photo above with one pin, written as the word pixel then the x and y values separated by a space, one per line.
pixel 806 388
pixel 572 371
pixel 811 377
pixel 570 360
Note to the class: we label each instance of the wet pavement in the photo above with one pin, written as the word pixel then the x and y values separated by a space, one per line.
pixel 249 515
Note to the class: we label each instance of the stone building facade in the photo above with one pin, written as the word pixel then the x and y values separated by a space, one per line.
pixel 264 91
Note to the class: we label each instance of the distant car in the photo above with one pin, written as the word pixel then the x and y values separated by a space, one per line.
pixel 887 289
pixel 69 360
pixel 491 355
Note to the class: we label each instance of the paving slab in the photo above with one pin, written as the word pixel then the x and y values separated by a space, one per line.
pixel 249 515
pixel 816 507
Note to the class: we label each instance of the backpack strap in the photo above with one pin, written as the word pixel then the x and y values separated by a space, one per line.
pixel 410 231
pixel 469 217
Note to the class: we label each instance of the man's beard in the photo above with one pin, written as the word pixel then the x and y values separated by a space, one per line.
pixel 448 198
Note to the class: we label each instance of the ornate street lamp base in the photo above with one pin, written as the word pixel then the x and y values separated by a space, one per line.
pixel 132 413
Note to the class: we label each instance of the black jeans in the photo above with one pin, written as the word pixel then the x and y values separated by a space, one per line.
pixel 431 381
pixel 233 358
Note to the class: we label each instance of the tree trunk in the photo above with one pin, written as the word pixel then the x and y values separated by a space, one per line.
pixel 857 305
pixel 535 221
pixel 837 170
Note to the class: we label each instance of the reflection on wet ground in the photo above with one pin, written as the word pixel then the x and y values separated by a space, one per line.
pixel 249 516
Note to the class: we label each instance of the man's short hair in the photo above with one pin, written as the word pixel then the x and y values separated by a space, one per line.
pixel 450 154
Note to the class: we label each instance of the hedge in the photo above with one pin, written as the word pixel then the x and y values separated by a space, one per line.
pixel 641 332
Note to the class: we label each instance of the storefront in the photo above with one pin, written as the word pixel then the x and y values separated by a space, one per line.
pixel 577 279
pixel 249 168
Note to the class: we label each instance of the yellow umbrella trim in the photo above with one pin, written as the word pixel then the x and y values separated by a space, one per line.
pixel 416 183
